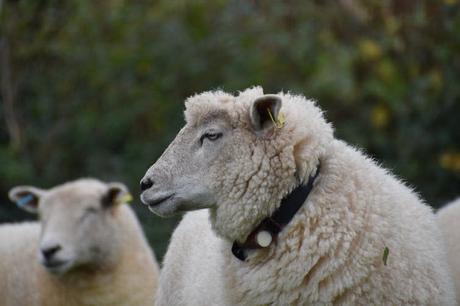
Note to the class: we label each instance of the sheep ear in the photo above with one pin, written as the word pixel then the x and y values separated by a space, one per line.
pixel 117 193
pixel 264 112
pixel 26 197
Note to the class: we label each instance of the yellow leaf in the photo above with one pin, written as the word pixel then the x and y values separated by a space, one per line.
pixel 380 116
pixel 386 70
pixel 436 79
pixel 392 24
pixel 450 161
pixel 450 2
pixel 369 49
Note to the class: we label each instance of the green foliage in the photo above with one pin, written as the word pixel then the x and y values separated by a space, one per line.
pixel 98 86
pixel 386 252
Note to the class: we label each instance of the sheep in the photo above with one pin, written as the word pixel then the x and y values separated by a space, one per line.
pixel 447 218
pixel 359 237
pixel 87 249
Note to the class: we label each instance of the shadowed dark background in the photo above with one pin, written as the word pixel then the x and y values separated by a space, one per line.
pixel 96 88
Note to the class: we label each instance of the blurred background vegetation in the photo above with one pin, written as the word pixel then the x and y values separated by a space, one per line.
pixel 96 88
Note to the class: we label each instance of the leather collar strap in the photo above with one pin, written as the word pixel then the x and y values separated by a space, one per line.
pixel 270 227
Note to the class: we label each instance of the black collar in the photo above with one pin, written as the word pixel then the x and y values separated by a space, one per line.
pixel 270 227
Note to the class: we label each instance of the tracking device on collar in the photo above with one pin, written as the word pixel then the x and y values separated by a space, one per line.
pixel 267 231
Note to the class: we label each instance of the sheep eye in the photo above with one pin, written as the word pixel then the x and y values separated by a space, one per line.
pixel 87 212
pixel 210 136
pixel 90 210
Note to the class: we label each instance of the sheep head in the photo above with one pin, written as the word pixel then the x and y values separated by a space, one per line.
pixel 78 222
pixel 238 156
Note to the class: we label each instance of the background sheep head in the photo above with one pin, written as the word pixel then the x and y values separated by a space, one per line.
pixel 78 223
pixel 235 157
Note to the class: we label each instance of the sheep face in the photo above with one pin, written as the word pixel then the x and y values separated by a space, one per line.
pixel 237 156
pixel 78 223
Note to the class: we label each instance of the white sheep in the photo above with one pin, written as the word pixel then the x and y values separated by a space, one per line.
pixel 448 218
pixel 361 237
pixel 88 249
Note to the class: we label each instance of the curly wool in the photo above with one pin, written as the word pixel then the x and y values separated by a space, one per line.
pixel 331 253
pixel 267 169
pixel 447 218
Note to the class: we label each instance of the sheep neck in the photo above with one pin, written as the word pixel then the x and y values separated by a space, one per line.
pixel 274 224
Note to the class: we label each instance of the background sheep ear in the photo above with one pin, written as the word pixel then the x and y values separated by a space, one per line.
pixel 261 109
pixel 26 197
pixel 117 193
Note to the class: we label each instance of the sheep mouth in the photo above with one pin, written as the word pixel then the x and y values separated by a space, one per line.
pixel 158 200
pixel 56 266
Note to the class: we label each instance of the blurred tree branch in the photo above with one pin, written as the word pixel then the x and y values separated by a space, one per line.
pixel 8 95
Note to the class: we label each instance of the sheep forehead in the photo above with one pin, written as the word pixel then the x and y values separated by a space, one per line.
pixel 211 104
pixel 304 118
pixel 206 106
pixel 77 193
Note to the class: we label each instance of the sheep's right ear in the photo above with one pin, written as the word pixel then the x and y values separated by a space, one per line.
pixel 26 197
pixel 264 112
pixel 116 194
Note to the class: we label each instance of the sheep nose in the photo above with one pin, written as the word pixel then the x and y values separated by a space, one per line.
pixel 146 183
pixel 49 252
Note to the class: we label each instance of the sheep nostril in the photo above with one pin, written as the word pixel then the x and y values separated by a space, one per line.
pixel 49 252
pixel 146 184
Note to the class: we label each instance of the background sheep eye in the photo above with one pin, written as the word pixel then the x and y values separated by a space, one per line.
pixel 90 210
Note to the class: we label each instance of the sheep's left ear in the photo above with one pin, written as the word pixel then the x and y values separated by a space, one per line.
pixel 117 193
pixel 264 112
pixel 26 197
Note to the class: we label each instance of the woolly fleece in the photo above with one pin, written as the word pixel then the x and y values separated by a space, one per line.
pixel 448 218
pixel 131 280
pixel 331 253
